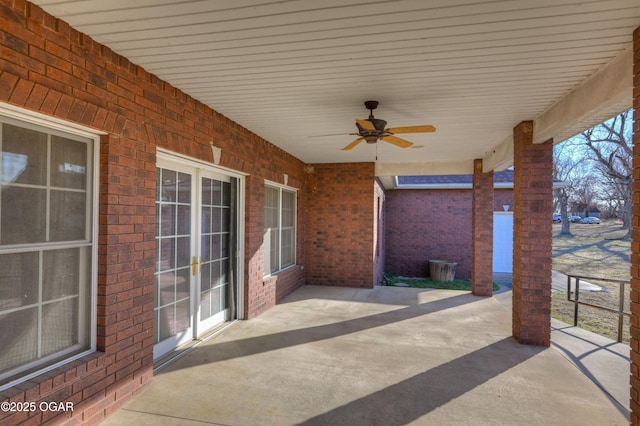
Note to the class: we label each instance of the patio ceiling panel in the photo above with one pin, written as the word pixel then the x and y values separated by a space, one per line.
pixel 291 71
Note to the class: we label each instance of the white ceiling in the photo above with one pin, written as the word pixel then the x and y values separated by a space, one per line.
pixel 293 70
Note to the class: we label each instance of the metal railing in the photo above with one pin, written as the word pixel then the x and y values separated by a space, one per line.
pixel 576 300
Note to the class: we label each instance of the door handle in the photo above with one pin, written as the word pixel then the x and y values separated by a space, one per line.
pixel 194 265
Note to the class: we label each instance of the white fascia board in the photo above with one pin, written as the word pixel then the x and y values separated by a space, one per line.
pixel 499 185
pixel 464 167
pixel 609 89
pixel 435 186
pixel 500 158
pixel 610 86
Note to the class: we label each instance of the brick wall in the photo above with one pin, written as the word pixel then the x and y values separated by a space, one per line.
pixel 423 225
pixel 340 225
pixel 431 224
pixel 502 197
pixel 263 293
pixel 378 235
pixel 48 67
pixel 635 242
pixel 532 237
pixel 482 232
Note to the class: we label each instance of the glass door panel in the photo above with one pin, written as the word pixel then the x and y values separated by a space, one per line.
pixel 193 271
pixel 214 248
pixel 173 325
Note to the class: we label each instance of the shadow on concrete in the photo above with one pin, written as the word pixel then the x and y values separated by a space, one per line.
pixel 222 351
pixel 439 360
pixel 600 370
pixel 590 342
pixel 423 393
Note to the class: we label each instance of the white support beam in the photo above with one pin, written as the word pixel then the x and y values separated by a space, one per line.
pixel 606 93
pixel 500 157
pixel 419 169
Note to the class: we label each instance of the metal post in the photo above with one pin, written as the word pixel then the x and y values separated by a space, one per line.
pixel 577 297
pixel 620 311
pixel 569 288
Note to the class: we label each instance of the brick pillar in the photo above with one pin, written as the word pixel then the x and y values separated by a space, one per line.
pixel 635 238
pixel 532 197
pixel 482 232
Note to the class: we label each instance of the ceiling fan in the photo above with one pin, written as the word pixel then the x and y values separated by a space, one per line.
pixel 373 129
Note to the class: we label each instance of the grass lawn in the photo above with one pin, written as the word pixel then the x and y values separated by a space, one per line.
pixel 393 280
pixel 594 251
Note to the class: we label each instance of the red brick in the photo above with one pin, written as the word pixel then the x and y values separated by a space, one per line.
pixel 68 75
pixel 340 225
pixel 21 92
pixel 482 232
pixel 532 237
pixel 635 243
pixel 7 84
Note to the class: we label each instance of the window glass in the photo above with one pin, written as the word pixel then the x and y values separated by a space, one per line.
pixel 19 334
pixel 24 156
pixel 63 274
pixel 18 280
pixel 46 199
pixel 22 215
pixel 68 216
pixel 173 212
pixel 68 163
pixel 59 325
pixel 279 229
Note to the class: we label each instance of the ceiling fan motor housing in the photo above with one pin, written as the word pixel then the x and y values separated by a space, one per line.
pixel 371 105
pixel 372 136
pixel 372 129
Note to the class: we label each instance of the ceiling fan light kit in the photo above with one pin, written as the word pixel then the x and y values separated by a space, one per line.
pixel 373 129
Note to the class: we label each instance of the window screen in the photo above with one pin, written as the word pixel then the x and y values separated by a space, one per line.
pixel 279 229
pixel 45 245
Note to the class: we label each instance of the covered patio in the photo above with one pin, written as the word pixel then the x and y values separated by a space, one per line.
pixel 200 162
pixel 382 356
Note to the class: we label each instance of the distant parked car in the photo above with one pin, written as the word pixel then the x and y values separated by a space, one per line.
pixel 590 220
pixel 575 219
pixel 557 218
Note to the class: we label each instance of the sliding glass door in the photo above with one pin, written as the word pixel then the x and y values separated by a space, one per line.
pixel 195 243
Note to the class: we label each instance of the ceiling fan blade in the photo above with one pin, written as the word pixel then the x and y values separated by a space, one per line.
pixel 367 125
pixel 397 141
pixel 331 134
pixel 352 144
pixel 412 129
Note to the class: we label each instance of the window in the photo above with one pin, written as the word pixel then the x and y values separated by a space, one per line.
pixel 46 246
pixel 279 229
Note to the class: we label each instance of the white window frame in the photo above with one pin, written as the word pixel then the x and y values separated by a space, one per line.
pixel 51 125
pixel 281 188
pixel 163 156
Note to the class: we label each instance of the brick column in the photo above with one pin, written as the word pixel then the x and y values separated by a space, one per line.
pixel 482 232
pixel 532 199
pixel 635 239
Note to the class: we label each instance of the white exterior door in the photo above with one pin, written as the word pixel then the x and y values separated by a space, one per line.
pixel 503 242
pixel 214 259
pixel 194 269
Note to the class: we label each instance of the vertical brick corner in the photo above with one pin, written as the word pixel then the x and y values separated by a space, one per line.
pixel 339 249
pixel 482 232
pixel 533 185
pixel 635 240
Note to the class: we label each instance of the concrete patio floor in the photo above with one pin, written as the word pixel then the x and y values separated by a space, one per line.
pixel 384 356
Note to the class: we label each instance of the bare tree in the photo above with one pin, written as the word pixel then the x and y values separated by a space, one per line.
pixel 585 194
pixel 614 204
pixel 609 146
pixel 567 168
